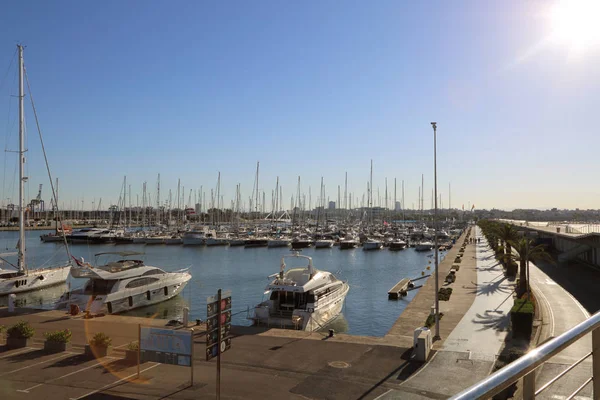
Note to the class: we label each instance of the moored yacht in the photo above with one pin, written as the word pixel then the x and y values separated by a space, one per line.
pixel 301 298
pixel 424 246
pixel 193 238
pixel 348 243
pixel 279 242
pixel 372 244
pixel 123 285
pixel 397 244
pixel 323 244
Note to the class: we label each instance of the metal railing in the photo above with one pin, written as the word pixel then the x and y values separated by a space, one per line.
pixel 525 367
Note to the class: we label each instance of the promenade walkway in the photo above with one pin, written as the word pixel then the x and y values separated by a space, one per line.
pixel 469 351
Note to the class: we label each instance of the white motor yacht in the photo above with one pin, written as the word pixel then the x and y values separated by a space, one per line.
pixel 123 285
pixel 372 244
pixel 424 246
pixel 279 242
pixel 193 238
pixel 348 243
pixel 323 244
pixel 301 298
pixel 397 244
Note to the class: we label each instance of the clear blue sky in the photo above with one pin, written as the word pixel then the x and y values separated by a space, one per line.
pixel 316 88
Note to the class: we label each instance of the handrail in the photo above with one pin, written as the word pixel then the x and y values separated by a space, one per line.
pixel 506 376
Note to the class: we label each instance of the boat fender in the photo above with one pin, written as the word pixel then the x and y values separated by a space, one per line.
pixel 41 277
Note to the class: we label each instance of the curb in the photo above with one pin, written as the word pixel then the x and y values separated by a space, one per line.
pixel 543 317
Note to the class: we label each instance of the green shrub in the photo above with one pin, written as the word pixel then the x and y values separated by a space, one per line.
pixel 431 320
pixel 133 346
pixel 20 330
pixel 100 339
pixel 457 260
pixel 59 336
pixel 444 294
pixel 521 317
pixel 456 267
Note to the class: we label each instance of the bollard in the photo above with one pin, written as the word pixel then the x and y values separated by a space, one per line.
pixel 11 302
pixel 331 332
pixel 186 314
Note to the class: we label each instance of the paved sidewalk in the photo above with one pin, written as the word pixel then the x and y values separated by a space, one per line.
pixel 468 353
pixel 484 327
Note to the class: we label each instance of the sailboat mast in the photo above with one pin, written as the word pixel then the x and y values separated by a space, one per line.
pixel 22 177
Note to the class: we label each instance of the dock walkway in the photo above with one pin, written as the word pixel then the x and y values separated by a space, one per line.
pixel 416 313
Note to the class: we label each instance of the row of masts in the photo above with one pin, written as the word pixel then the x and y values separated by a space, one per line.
pixel 149 209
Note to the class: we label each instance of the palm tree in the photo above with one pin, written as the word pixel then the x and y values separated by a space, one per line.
pixel 527 252
pixel 507 233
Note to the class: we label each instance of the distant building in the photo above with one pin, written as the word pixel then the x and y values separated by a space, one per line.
pixel 332 205
pixel 397 206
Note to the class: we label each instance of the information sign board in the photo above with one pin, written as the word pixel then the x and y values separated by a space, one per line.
pixel 166 346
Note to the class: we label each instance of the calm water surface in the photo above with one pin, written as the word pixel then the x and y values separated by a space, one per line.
pixel 370 275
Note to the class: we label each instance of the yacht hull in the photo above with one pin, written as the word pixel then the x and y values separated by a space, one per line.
pixel 127 300
pixel 304 319
pixel 278 243
pixel 34 280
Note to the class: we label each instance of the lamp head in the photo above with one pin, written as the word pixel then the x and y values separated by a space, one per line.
pixel 434 124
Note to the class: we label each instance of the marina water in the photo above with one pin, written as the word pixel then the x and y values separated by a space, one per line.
pixel 370 274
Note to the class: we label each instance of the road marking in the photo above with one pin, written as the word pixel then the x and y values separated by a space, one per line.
pixel 27 349
pixel 68 353
pixel 381 395
pixel 550 282
pixel 114 383
pixel 60 377
pixel 549 307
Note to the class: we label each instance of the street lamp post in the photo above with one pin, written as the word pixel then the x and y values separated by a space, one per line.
pixel 435 223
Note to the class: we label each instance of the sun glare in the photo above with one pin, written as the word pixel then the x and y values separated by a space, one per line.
pixel 576 24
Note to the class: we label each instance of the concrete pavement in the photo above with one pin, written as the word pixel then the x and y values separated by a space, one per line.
pixel 468 353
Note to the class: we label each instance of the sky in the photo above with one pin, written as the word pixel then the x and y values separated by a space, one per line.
pixel 313 89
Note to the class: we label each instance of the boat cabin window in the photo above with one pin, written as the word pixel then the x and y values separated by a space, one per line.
pixel 99 286
pixel 153 272
pixel 140 282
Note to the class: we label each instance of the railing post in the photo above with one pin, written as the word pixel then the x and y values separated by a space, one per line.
pixel 596 363
pixel 529 386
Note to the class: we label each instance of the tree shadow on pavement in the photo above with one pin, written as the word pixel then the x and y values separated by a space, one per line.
pixel 404 371
pixel 491 288
pixel 492 320
pixel 490 268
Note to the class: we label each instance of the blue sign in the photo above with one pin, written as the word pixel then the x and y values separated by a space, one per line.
pixel 166 346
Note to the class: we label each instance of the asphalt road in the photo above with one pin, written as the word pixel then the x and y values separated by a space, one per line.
pixel 565 313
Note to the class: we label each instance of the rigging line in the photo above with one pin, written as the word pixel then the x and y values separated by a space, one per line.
pixel 47 165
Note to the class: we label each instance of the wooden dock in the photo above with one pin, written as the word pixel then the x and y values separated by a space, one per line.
pixel 399 290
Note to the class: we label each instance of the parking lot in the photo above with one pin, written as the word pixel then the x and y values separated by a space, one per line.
pixel 266 364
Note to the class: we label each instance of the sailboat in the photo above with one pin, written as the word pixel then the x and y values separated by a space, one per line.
pixel 22 279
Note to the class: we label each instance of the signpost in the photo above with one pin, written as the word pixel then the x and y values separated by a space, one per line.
pixel 166 346
pixel 218 327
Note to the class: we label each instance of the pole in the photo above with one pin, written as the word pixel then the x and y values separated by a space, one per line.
pixel 139 349
pixel 22 177
pixel 192 360
pixel 435 221
pixel 219 343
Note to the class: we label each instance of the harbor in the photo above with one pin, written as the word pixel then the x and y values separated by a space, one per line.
pixel 367 310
